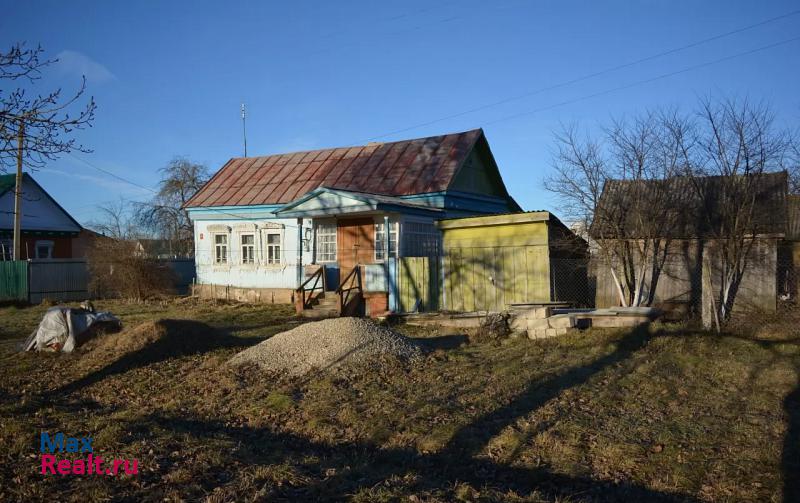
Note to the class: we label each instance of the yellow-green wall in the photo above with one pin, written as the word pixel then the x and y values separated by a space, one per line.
pixel 489 266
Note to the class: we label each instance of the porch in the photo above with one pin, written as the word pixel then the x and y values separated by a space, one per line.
pixel 359 242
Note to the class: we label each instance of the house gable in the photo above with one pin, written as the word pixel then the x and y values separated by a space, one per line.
pixel 40 212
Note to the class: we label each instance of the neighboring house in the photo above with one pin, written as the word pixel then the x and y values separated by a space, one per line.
pixel 688 238
pixel 261 221
pixel 48 231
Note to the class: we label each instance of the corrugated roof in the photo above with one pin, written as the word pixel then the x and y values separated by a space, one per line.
pixel 696 207
pixel 398 168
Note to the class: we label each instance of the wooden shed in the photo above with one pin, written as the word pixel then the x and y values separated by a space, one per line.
pixel 490 262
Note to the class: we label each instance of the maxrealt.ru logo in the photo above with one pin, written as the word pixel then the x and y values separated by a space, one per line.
pixel 90 465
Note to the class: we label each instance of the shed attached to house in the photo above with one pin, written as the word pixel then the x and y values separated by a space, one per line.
pixel 493 261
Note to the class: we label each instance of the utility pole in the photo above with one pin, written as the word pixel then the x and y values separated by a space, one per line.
pixel 18 192
pixel 244 130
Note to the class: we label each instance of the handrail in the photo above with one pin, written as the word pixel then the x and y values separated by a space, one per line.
pixel 344 293
pixel 318 275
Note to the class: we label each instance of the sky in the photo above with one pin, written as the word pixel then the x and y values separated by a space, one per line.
pixel 169 77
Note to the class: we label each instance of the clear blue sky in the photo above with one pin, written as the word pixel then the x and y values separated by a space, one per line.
pixel 168 77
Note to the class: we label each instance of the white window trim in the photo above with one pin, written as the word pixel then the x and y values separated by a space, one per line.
pixel 50 245
pixel 394 228
pixel 267 246
pixel 318 259
pixel 254 246
pixel 227 245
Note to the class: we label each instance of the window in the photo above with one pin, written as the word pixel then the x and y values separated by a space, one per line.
pixel 273 248
pixel 248 248
pixel 221 248
pixel 420 240
pixel 380 236
pixel 44 249
pixel 326 242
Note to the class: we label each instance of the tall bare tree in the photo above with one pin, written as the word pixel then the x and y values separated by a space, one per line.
pixel 35 128
pixel 165 215
pixel 612 188
pixel 734 146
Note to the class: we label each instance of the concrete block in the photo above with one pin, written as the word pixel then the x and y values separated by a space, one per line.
pixel 550 332
pixel 537 324
pixel 542 312
pixel 561 321
pixel 562 331
pixel 518 324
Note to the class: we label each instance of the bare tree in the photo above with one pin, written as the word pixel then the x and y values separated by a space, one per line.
pixel 165 214
pixel 612 188
pixel 734 146
pixel 117 220
pixel 34 128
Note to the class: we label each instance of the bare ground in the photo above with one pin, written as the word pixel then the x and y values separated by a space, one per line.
pixel 664 414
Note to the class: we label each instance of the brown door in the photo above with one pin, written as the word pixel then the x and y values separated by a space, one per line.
pixel 355 244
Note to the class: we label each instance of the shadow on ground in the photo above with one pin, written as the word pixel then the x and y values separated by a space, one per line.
pixel 361 466
pixel 169 339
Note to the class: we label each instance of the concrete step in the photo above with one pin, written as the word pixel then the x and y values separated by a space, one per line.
pixel 320 313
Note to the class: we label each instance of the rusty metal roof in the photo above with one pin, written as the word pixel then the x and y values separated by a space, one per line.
pixel 398 168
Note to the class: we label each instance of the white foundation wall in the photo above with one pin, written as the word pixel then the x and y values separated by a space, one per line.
pixel 259 274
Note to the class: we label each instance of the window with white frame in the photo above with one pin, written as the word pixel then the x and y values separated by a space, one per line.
pixel 380 237
pixel 221 248
pixel 326 242
pixel 44 249
pixel 248 248
pixel 273 255
pixel 420 239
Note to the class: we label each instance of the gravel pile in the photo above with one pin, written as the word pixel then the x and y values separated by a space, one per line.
pixel 325 344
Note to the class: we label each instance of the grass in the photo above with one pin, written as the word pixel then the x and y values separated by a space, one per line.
pixel 665 414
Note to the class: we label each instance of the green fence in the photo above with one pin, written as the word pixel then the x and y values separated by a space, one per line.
pixel 14 280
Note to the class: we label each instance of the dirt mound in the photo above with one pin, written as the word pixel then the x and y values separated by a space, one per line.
pixel 326 344
pixel 160 339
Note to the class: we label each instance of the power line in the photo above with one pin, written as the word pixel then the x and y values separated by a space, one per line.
pixel 645 81
pixel 587 76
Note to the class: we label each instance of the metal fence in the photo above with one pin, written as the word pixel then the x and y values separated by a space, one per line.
pixel 67 279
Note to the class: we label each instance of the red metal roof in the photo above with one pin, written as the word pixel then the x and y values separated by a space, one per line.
pixel 398 168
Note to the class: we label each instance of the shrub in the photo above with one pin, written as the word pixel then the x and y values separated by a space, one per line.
pixel 117 270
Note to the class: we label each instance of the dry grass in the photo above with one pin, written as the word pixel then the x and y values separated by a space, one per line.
pixel 667 415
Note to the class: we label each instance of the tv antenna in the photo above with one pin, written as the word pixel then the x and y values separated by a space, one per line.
pixel 244 129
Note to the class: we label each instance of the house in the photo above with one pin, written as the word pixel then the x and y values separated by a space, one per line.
pixel 688 240
pixel 264 224
pixel 519 258
pixel 48 231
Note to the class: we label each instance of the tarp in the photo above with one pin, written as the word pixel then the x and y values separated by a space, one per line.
pixel 64 328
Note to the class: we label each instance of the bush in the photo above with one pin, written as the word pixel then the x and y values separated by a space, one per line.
pixel 117 270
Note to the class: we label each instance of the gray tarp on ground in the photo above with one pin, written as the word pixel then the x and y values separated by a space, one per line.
pixel 62 327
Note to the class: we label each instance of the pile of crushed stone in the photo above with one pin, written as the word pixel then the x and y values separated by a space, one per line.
pixel 326 344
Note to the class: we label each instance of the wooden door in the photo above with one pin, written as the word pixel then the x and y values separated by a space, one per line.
pixel 355 243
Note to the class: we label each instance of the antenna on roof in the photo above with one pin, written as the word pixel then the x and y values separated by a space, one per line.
pixel 244 130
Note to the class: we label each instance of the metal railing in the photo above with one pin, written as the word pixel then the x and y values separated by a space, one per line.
pixel 307 292
pixel 349 302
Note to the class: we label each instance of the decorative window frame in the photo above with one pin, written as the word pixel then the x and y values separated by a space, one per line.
pixel 265 228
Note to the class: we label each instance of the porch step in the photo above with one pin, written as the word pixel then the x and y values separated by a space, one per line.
pixel 323 307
